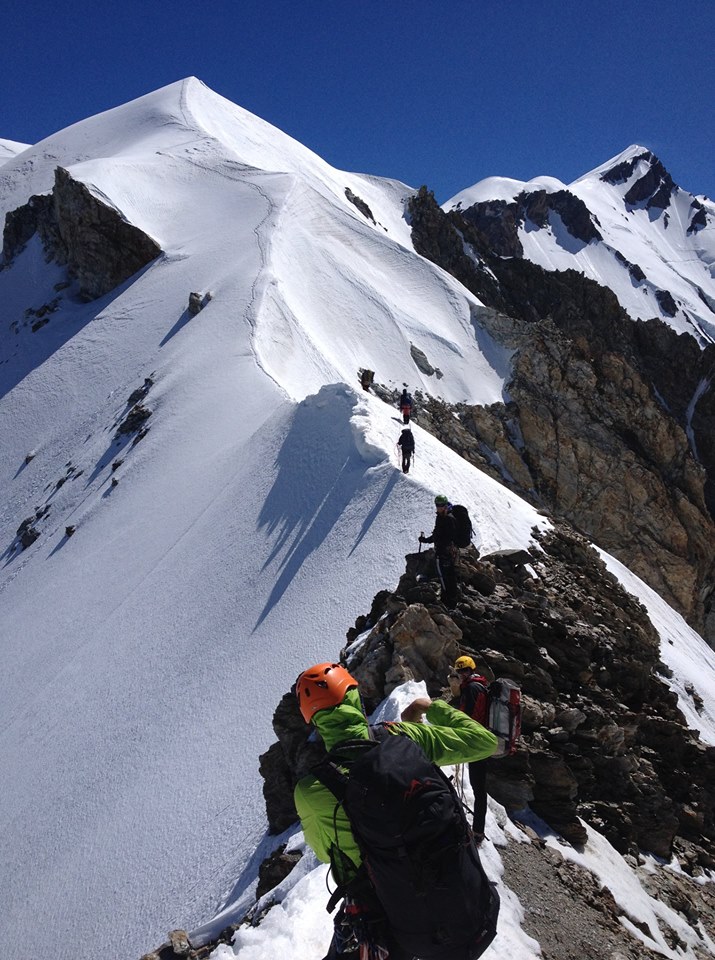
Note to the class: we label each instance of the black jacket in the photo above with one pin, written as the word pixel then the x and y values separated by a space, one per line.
pixel 406 441
pixel 443 535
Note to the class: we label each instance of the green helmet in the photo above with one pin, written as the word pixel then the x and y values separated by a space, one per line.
pixel 441 501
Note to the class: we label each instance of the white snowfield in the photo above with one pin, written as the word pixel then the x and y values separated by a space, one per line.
pixel 10 148
pixel 144 655
pixel 674 256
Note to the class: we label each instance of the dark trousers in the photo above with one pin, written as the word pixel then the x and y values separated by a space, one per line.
pixel 448 578
pixel 406 456
pixel 478 780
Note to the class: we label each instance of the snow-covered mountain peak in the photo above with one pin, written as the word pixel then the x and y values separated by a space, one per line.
pixel 255 141
pixel 146 585
pixel 638 176
pixel 212 184
pixel 625 224
pixel 183 119
pixel 501 188
pixel 612 170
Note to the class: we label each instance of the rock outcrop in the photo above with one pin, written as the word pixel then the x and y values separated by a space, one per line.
pixel 99 247
pixel 497 221
pixel 654 187
pixel 603 738
pixel 608 421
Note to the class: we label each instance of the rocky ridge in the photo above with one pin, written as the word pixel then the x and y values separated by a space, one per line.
pixel 606 422
pixel 572 914
pixel 603 738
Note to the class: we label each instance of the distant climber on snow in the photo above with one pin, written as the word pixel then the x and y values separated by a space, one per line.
pixel 406 443
pixel 443 537
pixel 405 405
pixel 391 826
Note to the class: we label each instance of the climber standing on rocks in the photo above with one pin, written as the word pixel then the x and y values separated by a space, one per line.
pixel 391 826
pixel 445 550
pixel 473 692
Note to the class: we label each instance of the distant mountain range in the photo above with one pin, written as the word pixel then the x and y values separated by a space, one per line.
pixel 626 224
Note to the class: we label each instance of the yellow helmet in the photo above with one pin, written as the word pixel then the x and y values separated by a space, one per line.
pixel 464 663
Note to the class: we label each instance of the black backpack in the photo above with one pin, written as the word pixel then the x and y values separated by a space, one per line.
pixel 416 845
pixel 407 441
pixel 462 526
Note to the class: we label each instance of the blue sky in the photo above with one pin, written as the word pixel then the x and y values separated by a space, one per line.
pixel 442 92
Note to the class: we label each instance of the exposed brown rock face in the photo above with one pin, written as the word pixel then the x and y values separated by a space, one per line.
pixel 602 739
pixel 100 248
pixel 602 449
pixel 608 421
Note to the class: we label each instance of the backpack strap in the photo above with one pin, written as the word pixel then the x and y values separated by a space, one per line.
pixel 329 771
pixel 332 777
pixel 331 774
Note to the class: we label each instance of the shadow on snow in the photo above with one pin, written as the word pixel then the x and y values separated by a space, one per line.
pixel 320 471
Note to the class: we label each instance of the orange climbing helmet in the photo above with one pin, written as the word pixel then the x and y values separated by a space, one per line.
pixel 322 686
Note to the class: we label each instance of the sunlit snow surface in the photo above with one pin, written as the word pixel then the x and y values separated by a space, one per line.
pixel 10 148
pixel 144 656
pixel 682 650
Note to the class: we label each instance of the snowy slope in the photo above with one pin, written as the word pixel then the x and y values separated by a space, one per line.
pixel 233 187
pixel 673 246
pixel 10 148
pixel 143 656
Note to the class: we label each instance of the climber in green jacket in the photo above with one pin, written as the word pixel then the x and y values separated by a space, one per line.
pixel 328 698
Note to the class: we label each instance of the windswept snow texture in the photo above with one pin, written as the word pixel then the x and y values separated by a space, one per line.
pixel 646 251
pixel 10 148
pixel 143 656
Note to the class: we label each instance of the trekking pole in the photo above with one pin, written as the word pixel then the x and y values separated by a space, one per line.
pixel 422 533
